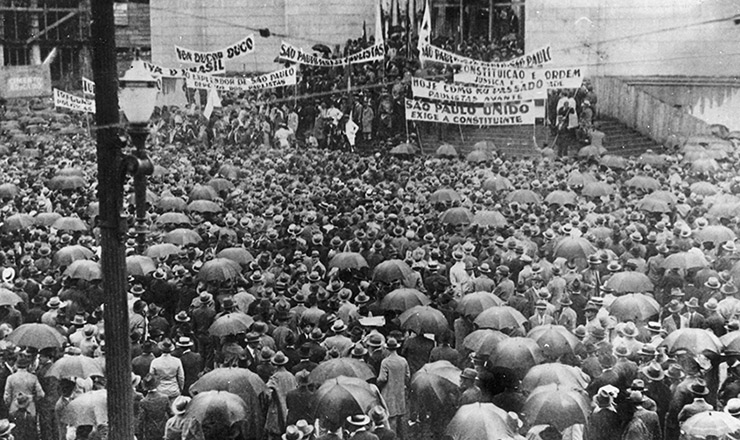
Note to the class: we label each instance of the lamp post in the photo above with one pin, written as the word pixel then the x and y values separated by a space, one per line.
pixel 137 98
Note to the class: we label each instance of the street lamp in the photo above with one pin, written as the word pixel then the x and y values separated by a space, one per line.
pixel 137 97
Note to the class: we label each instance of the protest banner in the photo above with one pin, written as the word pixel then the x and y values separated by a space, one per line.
pixel 441 91
pixel 25 81
pixel 296 55
pixel 497 113
pixel 174 72
pixel 565 78
pixel 428 52
pixel 88 86
pixel 73 102
pixel 213 62
pixel 279 78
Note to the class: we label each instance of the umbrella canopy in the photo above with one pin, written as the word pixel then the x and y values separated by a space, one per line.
pixel 561 198
pixel 644 183
pixel 231 324
pixel 597 189
pixel 17 222
pixel 711 424
pixel 552 405
pixel 477 156
pixel 634 307
pixel 483 341
pixel 653 205
pixel 444 195
pixel 219 269
pixel 704 166
pixel 578 179
pixel 8 297
pixel 500 318
pixel 652 159
pixel 704 188
pixel 498 183
pixel 566 376
pixel 486 145
pixel 403 299
pixel 203 192
pixel 731 340
pixel 615 162
pixel 489 218
pixel 204 206
pixel 724 210
pixel 573 247
pixel 162 250
pixel 391 271
pixel 70 172
pixel 630 282
pixel 8 191
pixel 473 304
pixel 204 405
pixel 456 216
pixel 423 319
pixel 228 171
pixel 591 151
pixel 87 409
pixel 524 196
pixel 447 151
pixel 695 340
pixel 174 218
pixel 68 254
pixel 240 381
pixel 436 385
pixel 84 270
pixel 343 396
pixel 182 237
pixel 479 421
pixel 172 204
pixel 139 265
pixel 220 184
pixel 685 260
pixel 75 366
pixel 236 254
pixel 403 149
pixel 717 234
pixel 66 183
pixel 516 354
pixel 36 335
pixel 348 260
pixel 554 340
pixel 70 224
pixel 340 367
pixel 46 218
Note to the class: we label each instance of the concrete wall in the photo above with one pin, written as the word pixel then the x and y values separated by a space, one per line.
pixel 664 37
pixel 213 24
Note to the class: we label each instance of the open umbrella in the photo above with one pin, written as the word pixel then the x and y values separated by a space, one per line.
pixel 69 366
pixel 348 260
pixel 8 297
pixel 403 299
pixel 591 151
pixel 436 385
pixel 219 269
pixel 480 421
pixel 489 218
pixel 578 179
pixel 66 183
pixel 423 319
pixel 653 205
pixel 615 162
pixel 172 204
pixel 231 324
pixel 8 191
pixel 182 237
pixel 711 425
pixel 203 192
pixel 597 189
pixel 644 183
pixel 477 156
pixel 17 222
pixel 630 282
pixel 444 195
pixel 552 405
pixel 240 381
pixel 485 145
pixel 390 271
pixel 236 254
pixel 497 183
pixel 162 250
pixel 204 206
pixel 228 171
pixel 516 354
pixel 652 159
pixel 174 218
pixel 561 198
pixel 474 303
pixel 139 265
pixel 724 210
pixel 220 184
pixel 634 307
pixel 566 376
pixel 341 366
pixel 89 408
pixel 704 188
pixel 84 270
pixel 685 260
pixel 731 342
pixel 500 318
pixel 695 340
pixel 46 218
pixel 36 335
pixel 456 216
pixel 343 396
pixel 70 172
pixel 483 341
pixel 447 151
pixel 573 247
pixel 70 224
pixel 208 403
pixel 704 166
pixel 555 340
pixel 717 234
pixel 318 47
pixel 524 196
pixel 403 149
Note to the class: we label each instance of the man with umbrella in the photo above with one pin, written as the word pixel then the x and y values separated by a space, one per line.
pixel 393 379
pixel 469 390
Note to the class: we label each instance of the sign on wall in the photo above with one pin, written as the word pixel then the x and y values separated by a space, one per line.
pixel 25 81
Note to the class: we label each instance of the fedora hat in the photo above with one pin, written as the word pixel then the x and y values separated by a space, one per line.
pixel 79 320
pixel 621 351
pixel 729 246
pixel 565 300
pixel 339 326
pixel 647 350
pixel 653 372
pixel 362 298
pixel 733 407
pixel 252 338
pixel 469 373
pixel 392 344
pixel 166 346
pixel 54 302
pixel 316 334
pixel 675 371
pixel 630 330
pixel 712 283
pixel 305 427
pixel 182 316
pixel 159 274
pixel 603 399
pixel 636 397
pixel 597 333
pixel 675 306
pixel 580 332
pixel 184 342
pixel 711 305
pixel 358 420
pixel 358 351
pixel 693 303
pixel 699 388
pixel 728 289
pixel 374 340
pixel 279 359
pixel 484 268
pixel 180 405
pixel 654 327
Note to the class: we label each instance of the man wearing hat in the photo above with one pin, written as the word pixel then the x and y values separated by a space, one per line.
pixel 304 360
pixel 339 340
pixel 469 390
pixel 154 411
pixel 358 428
pixel 483 282
pixel 692 318
pixel 23 382
pixel 192 362
pixel 604 423
pixel 505 287
pixel 393 378
pixel 652 375
pixel 280 384
pixel 300 401
pixel 567 316
pixel 591 276
pixel 540 316
pixel 672 322
pixel 714 320
pixel 699 391
pixel 460 279
pixel 644 423
pixel 168 371
pixel 379 417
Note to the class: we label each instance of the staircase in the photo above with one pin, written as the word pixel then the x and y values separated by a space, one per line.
pixel 621 140
pixel 510 140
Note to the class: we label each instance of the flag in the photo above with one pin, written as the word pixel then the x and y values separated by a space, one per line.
pixel 50 58
pixel 394 13
pixel 351 129
pixel 378 23
pixel 425 30
pixel 213 101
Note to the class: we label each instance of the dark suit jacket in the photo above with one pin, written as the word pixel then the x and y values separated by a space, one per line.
pixel 192 365
pixel 301 404
pixel 364 435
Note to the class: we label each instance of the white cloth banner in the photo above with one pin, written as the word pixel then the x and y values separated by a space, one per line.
pixel 88 86
pixel 279 78
pixel 296 55
pixel 497 113
pixel 175 72
pixel 566 78
pixel 214 60
pixel 535 58
pixel 73 102
pixel 442 91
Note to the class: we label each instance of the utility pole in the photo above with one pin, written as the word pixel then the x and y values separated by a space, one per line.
pixel 111 172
